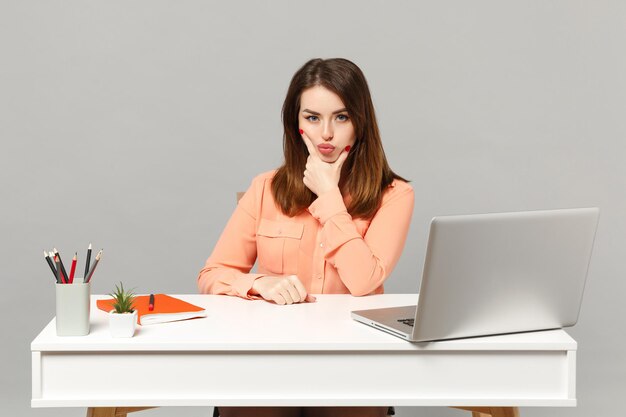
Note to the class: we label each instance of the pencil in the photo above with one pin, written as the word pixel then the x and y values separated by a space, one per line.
pixel 64 275
pixel 50 264
pixel 87 262
pixel 73 268
pixel 56 261
pixel 54 258
pixel 93 267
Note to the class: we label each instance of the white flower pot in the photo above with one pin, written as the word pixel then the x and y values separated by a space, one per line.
pixel 122 325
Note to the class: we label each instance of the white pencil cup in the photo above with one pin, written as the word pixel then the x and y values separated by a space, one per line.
pixel 73 303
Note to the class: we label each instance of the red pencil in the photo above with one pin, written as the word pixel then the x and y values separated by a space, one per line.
pixel 73 269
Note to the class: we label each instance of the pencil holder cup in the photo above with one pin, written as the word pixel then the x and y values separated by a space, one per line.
pixel 72 308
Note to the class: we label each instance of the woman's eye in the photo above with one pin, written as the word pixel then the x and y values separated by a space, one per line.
pixel 342 117
pixel 312 118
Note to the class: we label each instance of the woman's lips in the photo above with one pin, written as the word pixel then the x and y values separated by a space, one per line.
pixel 326 149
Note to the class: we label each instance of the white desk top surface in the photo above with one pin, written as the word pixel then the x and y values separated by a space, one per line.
pixel 233 323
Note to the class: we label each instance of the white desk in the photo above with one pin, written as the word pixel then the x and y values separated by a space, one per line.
pixel 249 353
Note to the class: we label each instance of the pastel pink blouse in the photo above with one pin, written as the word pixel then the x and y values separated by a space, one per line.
pixel 329 251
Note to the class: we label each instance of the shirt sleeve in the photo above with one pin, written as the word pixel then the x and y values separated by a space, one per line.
pixel 227 270
pixel 364 262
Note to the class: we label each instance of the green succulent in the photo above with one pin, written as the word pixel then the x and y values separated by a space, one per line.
pixel 124 299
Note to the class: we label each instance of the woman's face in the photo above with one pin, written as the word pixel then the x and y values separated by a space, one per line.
pixel 325 120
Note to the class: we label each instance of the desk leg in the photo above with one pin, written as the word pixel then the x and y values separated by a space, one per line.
pixel 505 411
pixel 492 411
pixel 113 411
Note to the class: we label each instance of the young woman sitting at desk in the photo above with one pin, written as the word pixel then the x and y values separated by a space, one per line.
pixel 333 219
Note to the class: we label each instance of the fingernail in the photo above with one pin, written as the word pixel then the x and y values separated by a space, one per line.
pixel 301 131
pixel 348 148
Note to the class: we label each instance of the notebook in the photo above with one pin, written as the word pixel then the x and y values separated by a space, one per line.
pixel 488 274
pixel 166 308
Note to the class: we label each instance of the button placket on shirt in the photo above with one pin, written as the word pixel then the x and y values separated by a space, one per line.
pixel 318 269
pixel 322 262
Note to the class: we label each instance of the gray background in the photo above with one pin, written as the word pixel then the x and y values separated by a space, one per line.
pixel 132 124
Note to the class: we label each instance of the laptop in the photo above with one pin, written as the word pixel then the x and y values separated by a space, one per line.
pixel 488 274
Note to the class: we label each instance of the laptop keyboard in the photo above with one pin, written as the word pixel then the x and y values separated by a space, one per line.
pixel 408 322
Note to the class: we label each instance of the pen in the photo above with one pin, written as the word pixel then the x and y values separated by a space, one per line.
pixel 151 303
pixel 88 259
pixel 64 276
pixel 50 264
pixel 93 267
pixel 73 268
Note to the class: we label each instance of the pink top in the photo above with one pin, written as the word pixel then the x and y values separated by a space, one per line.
pixel 330 252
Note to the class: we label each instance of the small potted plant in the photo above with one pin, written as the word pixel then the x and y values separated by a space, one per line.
pixel 123 317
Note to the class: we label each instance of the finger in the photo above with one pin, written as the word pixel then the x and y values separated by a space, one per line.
pixel 342 158
pixel 299 286
pixel 309 145
pixel 310 299
pixel 306 174
pixel 293 293
pixel 278 298
pixel 286 295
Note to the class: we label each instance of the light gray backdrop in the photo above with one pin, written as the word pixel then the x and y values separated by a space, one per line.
pixel 131 124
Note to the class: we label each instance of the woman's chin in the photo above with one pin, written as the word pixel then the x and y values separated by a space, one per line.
pixel 329 158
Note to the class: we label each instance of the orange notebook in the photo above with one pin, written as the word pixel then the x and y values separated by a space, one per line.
pixel 166 309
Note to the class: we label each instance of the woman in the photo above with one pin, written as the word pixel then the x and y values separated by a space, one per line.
pixel 333 219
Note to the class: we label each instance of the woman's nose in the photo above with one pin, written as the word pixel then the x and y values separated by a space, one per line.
pixel 327 131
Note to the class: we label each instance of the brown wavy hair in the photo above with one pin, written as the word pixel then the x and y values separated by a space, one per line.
pixel 365 174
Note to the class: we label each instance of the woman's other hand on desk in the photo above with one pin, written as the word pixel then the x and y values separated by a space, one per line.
pixel 282 290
